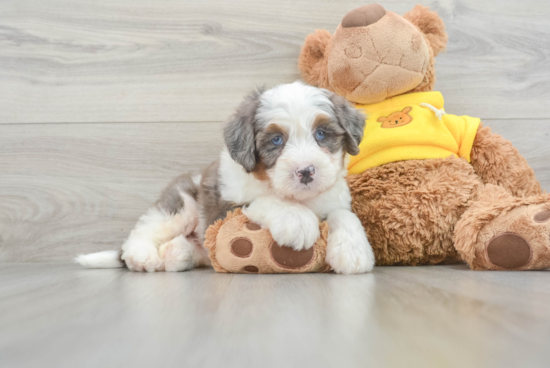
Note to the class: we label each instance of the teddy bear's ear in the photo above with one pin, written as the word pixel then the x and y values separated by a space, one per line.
pixel 431 24
pixel 313 58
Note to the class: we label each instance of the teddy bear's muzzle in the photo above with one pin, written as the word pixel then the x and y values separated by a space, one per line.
pixel 363 16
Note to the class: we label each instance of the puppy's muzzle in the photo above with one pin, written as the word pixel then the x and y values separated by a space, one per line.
pixel 306 174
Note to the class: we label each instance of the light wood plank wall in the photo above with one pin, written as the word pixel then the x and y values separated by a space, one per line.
pixel 102 102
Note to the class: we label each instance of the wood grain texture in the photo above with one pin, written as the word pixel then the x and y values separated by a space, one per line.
pixel 67 189
pixel 87 61
pixel 440 316
pixel 71 188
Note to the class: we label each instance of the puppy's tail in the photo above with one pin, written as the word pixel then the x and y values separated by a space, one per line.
pixel 106 259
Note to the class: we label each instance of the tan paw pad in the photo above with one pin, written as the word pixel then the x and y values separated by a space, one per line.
pixel 289 258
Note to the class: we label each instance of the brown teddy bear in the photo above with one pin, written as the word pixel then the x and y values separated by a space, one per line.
pixel 429 187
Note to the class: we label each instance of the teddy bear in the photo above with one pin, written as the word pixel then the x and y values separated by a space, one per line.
pixel 429 187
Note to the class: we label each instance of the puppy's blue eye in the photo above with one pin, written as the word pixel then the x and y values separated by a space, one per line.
pixel 320 135
pixel 278 140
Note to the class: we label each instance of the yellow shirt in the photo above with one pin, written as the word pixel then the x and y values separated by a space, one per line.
pixel 412 127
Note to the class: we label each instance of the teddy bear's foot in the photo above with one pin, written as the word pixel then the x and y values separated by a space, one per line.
pixel 526 246
pixel 501 232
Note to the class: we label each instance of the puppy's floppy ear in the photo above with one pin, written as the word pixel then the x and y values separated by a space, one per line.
pixel 239 132
pixel 351 119
pixel 313 59
pixel 431 24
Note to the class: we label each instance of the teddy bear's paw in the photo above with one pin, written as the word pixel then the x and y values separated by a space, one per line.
pixel 142 259
pixel 517 239
pixel 524 243
pixel 348 254
pixel 177 254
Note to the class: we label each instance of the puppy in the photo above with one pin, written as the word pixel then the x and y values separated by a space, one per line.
pixel 284 163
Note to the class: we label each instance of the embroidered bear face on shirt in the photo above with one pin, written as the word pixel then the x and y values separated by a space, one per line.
pixel 397 119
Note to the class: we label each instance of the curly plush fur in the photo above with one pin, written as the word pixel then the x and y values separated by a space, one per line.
pixel 430 211
pixel 498 162
pixel 410 208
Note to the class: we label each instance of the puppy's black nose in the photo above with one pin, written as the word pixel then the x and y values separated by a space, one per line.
pixel 306 174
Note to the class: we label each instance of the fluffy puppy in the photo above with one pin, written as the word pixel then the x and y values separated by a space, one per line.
pixel 285 163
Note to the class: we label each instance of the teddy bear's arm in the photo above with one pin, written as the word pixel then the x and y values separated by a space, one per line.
pixel 498 162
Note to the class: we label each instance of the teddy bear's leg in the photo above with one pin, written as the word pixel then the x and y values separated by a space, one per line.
pixel 503 232
pixel 410 208
pixel 498 162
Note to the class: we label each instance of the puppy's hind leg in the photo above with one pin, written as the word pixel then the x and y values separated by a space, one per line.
pixel 174 217
pixel 179 254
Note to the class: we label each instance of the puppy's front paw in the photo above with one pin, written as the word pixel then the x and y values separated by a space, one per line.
pixel 290 224
pixel 348 254
pixel 298 232
pixel 143 259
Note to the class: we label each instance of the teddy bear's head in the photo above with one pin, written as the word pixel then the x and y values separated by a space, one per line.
pixel 375 54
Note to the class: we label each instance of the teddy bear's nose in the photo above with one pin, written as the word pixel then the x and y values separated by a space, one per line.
pixel 363 16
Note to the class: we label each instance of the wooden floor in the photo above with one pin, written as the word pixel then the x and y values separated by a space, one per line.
pixel 440 316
